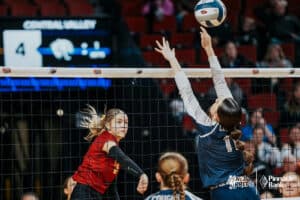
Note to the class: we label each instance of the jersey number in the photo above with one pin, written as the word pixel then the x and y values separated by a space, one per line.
pixel 228 144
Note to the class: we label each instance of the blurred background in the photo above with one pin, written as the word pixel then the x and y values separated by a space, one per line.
pixel 41 143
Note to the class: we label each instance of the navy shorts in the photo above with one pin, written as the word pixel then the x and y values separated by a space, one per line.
pixel 85 192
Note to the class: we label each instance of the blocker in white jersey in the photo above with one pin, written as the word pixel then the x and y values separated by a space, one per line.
pixel 210 13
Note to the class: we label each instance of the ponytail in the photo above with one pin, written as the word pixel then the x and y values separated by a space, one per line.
pixel 177 185
pixel 248 157
pixel 94 122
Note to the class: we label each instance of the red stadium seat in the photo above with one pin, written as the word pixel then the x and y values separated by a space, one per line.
pixel 3 10
pixel 69 2
pixel 11 2
pixel 136 24
pixel 264 100
pixel 167 24
pixel 286 84
pixel 131 8
pixel 153 58
pixel 251 5
pixel 52 9
pixel 245 84
pixel 41 2
pixel 272 118
pixel 232 6
pixel 289 50
pixel 183 40
pixel 186 56
pixel 188 123
pixel 249 51
pixel 167 86
pixel 147 41
pixel 284 135
pixel 80 9
pixel 233 20
pixel 201 86
pixel 24 10
pixel 189 23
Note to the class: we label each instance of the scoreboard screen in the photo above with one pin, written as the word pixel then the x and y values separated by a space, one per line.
pixel 65 42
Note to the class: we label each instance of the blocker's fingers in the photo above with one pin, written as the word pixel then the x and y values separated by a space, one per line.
pixel 158 44
pixel 203 29
pixel 167 43
pixel 164 41
pixel 158 50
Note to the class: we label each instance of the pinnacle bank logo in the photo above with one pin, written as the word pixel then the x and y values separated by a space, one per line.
pixel 269 182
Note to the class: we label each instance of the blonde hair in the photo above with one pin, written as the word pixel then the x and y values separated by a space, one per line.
pixel 270 48
pixel 95 123
pixel 173 167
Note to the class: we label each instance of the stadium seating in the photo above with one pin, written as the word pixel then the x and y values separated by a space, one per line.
pixel 23 9
pixel 183 40
pixel 52 9
pixel 80 9
pixel 167 24
pixel 3 10
pixel 264 100
pixel 136 24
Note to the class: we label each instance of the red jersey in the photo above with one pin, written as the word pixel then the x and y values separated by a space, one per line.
pixel 97 169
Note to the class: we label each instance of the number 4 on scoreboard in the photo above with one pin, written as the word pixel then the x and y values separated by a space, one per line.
pixel 21 48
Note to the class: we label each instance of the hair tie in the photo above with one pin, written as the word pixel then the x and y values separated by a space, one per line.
pixel 173 171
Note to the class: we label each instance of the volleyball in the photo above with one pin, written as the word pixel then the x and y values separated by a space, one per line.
pixel 210 13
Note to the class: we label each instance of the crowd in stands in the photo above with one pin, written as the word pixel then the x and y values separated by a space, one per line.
pixel 256 34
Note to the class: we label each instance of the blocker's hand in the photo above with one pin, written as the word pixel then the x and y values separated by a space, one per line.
pixel 205 39
pixel 165 49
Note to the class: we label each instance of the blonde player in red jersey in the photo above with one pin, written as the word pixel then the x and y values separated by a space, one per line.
pixel 104 157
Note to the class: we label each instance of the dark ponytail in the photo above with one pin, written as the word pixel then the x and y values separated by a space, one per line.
pixel 230 115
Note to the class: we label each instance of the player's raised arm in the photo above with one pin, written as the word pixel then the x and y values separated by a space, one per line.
pixel 220 84
pixel 191 103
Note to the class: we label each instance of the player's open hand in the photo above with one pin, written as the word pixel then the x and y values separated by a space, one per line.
pixel 165 49
pixel 143 184
pixel 205 39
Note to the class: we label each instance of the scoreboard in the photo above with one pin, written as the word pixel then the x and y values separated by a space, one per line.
pixel 66 42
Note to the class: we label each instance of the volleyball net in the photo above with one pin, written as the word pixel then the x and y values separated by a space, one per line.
pixel 42 143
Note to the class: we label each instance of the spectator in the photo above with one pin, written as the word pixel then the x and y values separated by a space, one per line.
pixel 289 164
pixel 29 196
pixel 234 88
pixel 248 34
pixel 264 151
pixel 156 10
pixel 290 185
pixel 275 58
pixel 294 146
pixel 280 25
pixel 232 59
pixel 291 113
pixel 257 119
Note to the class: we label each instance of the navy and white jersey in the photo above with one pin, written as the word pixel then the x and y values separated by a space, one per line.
pixel 168 195
pixel 218 157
